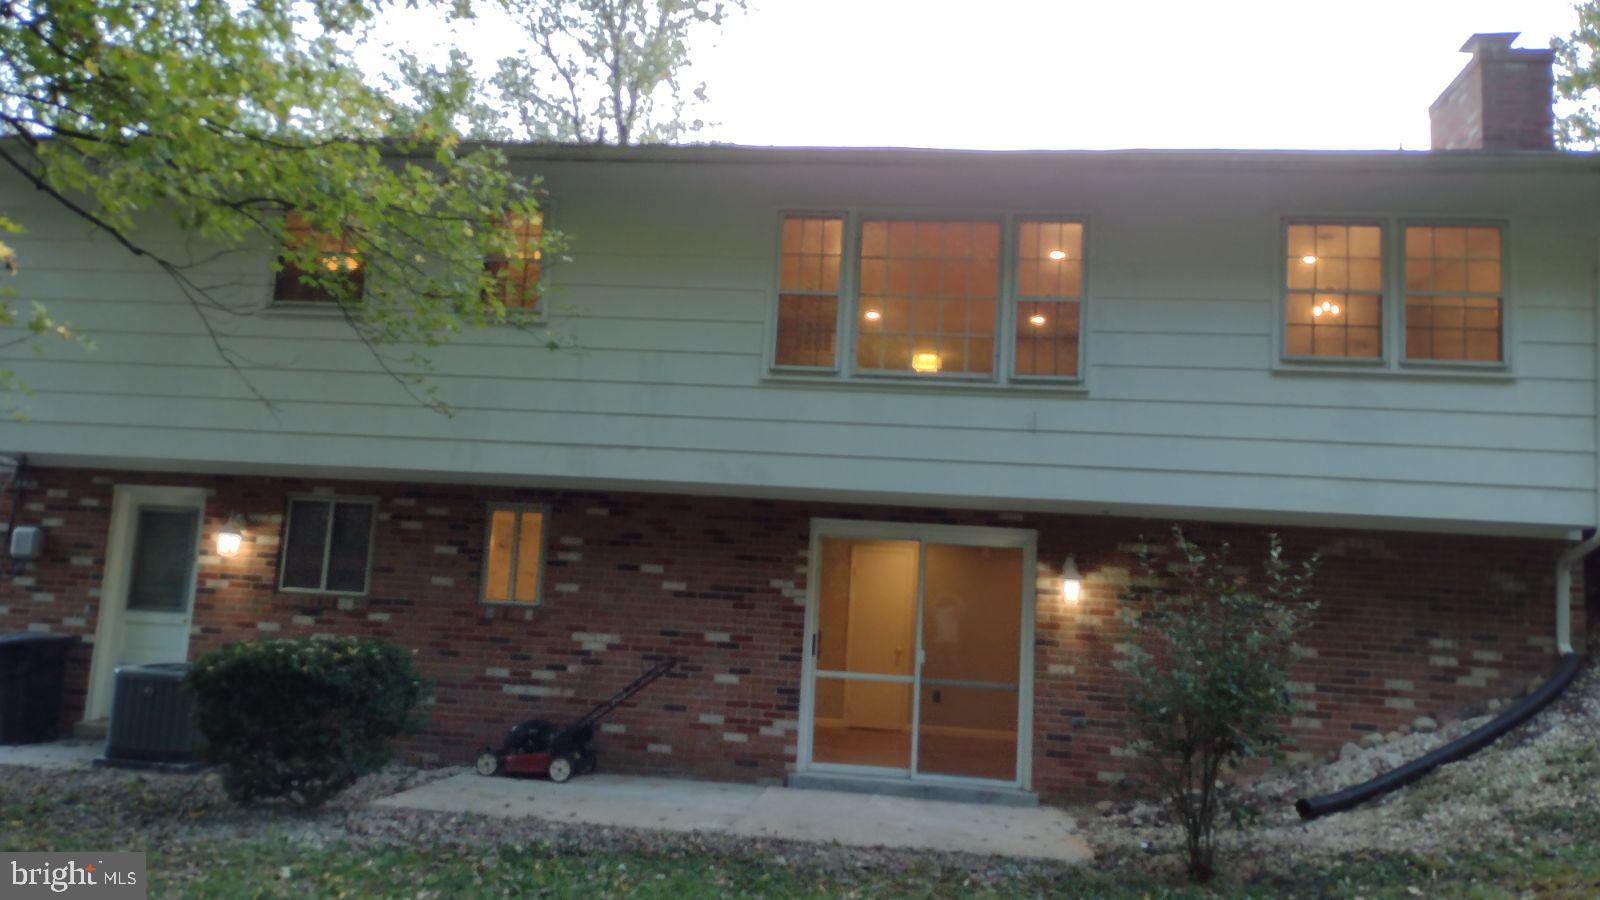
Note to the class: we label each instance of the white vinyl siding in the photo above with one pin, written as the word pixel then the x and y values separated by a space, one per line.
pixel 1185 408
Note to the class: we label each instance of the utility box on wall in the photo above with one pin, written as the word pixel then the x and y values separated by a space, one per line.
pixel 27 543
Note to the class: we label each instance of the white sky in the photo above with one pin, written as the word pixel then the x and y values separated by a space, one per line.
pixel 1081 74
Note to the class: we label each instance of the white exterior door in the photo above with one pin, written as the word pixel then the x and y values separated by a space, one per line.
pixel 147 597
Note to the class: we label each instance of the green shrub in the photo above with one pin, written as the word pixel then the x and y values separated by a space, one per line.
pixel 302 719
pixel 1210 648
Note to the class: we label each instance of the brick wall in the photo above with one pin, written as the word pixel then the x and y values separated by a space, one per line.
pixel 1410 624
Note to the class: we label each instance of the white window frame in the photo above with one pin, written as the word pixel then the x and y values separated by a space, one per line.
pixel 517 510
pixel 327 543
pixel 1392 363
pixel 1002 374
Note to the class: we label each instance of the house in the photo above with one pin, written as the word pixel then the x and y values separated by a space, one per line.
pixel 836 427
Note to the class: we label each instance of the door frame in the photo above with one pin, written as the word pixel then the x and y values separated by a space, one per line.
pixel 126 499
pixel 1024 539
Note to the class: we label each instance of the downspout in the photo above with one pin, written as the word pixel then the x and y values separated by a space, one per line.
pixel 1568 665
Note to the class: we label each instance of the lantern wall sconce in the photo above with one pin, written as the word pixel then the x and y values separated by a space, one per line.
pixel 1071 581
pixel 231 537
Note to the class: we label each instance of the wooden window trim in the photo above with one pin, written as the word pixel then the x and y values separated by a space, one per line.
pixel 327 543
pixel 517 510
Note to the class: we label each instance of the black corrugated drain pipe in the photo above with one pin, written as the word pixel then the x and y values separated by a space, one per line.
pixel 1458 749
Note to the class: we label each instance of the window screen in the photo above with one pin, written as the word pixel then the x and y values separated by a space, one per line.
pixel 165 545
pixel 517 274
pixel 1049 298
pixel 808 291
pixel 328 547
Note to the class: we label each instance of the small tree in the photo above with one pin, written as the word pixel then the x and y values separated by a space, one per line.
pixel 1210 668
pixel 303 719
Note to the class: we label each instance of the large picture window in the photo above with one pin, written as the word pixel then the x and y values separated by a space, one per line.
pixel 976 298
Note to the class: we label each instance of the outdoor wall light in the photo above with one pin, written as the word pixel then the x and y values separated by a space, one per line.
pixel 1071 581
pixel 231 536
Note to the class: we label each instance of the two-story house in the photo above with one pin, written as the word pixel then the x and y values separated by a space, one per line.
pixel 867 439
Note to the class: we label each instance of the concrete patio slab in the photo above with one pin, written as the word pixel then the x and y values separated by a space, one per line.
pixel 861 820
pixel 54 755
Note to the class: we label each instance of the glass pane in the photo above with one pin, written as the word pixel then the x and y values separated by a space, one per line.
pixel 530 543
pixel 352 543
pixel 518 274
pixel 862 723
pixel 497 569
pixel 165 544
pixel 308 535
pixel 932 285
pixel 867 606
pixel 1333 278
pixel 971 642
pixel 806 328
pixel 1047 338
pixel 1454 328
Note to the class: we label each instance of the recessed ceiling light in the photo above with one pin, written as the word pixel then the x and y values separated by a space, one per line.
pixel 1309 260
pixel 1036 319
pixel 872 315
pixel 1058 255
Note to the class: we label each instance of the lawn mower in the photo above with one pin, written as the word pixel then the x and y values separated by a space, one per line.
pixel 541 747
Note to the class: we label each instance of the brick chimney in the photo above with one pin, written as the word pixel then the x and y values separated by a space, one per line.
pixel 1500 101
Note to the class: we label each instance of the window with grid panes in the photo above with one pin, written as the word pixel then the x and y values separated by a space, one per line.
pixel 1454 300
pixel 337 260
pixel 927 296
pixel 1333 290
pixel 1049 284
pixel 808 292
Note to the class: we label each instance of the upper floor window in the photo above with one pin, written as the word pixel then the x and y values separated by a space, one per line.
pixel 1453 293
pixel 516 273
pixel 336 260
pixel 1333 290
pixel 808 291
pixel 931 297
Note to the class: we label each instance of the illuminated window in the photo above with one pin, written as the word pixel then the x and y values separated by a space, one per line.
pixel 514 555
pixel 517 275
pixel 1453 293
pixel 1049 298
pixel 1333 290
pixel 932 285
pixel 808 291
pixel 338 272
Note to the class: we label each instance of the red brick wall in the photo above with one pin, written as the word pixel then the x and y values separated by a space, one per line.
pixel 1410 624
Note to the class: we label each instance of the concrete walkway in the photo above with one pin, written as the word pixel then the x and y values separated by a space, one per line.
pixel 70 754
pixel 863 820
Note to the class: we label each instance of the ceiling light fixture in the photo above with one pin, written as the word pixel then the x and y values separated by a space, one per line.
pixel 872 315
pixel 1309 260
pixel 1058 255
pixel 925 362
pixel 1036 319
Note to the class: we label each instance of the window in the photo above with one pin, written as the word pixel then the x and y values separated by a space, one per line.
pixel 1453 279
pixel 927 297
pixel 327 545
pixel 513 556
pixel 808 291
pixel 517 274
pixel 1333 290
pixel 164 548
pixel 1049 296
pixel 982 298
pixel 337 261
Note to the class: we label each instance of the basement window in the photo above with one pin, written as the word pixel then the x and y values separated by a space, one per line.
pixel 513 557
pixel 327 545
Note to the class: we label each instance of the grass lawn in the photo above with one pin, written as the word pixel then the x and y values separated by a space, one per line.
pixel 272 861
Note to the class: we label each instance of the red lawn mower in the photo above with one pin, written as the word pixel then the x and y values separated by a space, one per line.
pixel 541 747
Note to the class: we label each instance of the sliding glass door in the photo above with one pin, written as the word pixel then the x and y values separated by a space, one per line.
pixel 917 642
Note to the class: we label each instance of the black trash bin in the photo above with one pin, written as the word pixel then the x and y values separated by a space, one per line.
pixel 33 678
